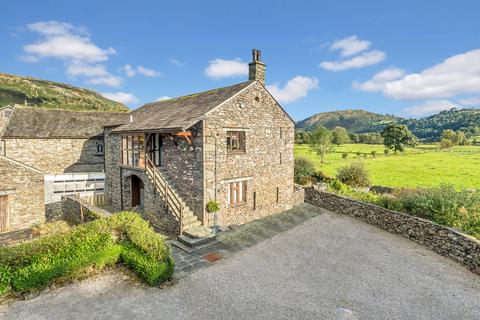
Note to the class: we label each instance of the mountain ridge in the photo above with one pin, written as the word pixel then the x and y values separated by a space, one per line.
pixel 49 94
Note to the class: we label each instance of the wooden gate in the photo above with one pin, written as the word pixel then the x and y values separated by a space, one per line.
pixel 3 213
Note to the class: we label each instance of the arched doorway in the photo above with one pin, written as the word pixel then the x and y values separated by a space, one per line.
pixel 137 191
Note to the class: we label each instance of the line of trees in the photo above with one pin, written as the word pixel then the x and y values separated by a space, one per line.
pixel 340 136
pixel 395 137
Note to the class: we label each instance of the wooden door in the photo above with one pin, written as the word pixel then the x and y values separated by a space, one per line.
pixel 4 213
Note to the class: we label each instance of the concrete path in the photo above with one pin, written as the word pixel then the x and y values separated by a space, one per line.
pixel 330 267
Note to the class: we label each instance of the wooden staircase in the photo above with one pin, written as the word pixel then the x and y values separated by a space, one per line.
pixel 174 203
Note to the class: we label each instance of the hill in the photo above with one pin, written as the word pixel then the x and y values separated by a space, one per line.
pixel 430 128
pixel 355 121
pixel 48 94
pixel 427 129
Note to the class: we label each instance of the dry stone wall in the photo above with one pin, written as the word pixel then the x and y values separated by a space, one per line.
pixel 445 241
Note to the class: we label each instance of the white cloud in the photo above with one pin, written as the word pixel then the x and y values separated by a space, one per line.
pixel 459 74
pixel 220 68
pixel 470 101
pixel 296 88
pixel 177 62
pixel 350 46
pixel 429 107
pixel 122 97
pixel 130 71
pixel 379 80
pixel 147 72
pixel 162 98
pixel 363 60
pixel 96 74
pixel 64 41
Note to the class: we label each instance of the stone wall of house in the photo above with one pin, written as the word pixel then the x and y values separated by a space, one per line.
pixel 56 155
pixel 267 164
pixel 4 116
pixel 25 191
pixel 118 190
pixel 445 241
pixel 183 166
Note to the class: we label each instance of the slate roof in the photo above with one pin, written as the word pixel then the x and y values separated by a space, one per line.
pixel 30 122
pixel 179 113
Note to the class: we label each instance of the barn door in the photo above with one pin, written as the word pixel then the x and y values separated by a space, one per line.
pixel 3 213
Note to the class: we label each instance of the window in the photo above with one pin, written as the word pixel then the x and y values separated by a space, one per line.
pixel 99 147
pixel 154 145
pixel 235 141
pixel 237 193
pixel 133 152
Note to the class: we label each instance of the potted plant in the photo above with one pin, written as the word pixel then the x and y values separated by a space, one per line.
pixel 213 207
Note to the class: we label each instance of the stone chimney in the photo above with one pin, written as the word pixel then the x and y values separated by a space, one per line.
pixel 256 68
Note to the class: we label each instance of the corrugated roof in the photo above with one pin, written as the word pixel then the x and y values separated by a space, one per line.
pixel 30 122
pixel 179 113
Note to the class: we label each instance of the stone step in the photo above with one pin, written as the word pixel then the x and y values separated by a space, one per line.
pixel 194 242
pixel 199 232
pixel 194 224
pixel 190 218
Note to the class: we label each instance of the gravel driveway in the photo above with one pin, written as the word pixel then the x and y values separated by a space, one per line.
pixel 330 267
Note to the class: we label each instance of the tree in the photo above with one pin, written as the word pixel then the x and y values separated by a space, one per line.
pixel 340 136
pixel 445 144
pixel 461 138
pixel 354 138
pixel 449 134
pixel 397 136
pixel 321 142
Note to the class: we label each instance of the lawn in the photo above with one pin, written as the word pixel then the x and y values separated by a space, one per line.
pixel 422 166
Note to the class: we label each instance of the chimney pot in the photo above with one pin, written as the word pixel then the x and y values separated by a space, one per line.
pixel 256 68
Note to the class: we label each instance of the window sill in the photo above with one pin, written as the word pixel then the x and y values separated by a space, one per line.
pixel 235 153
pixel 239 205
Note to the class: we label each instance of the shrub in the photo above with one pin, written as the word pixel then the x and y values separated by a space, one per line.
pixel 307 181
pixel 386 151
pixel 337 185
pixel 91 246
pixel 445 144
pixel 303 168
pixel 355 175
pixel 320 176
pixel 374 154
pixel 344 155
pixel 212 206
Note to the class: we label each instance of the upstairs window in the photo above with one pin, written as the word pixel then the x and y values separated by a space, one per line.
pixel 237 193
pixel 7 113
pixel 235 141
pixel 99 147
pixel 133 153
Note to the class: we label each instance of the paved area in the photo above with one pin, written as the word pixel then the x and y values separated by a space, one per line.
pixel 329 267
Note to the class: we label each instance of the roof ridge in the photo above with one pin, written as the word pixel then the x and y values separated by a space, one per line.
pixel 66 110
pixel 200 93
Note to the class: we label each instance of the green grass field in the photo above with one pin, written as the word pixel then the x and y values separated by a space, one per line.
pixel 421 166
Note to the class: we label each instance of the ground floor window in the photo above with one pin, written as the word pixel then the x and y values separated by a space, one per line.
pixel 4 206
pixel 237 193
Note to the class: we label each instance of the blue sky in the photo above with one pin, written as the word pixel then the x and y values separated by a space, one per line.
pixel 409 58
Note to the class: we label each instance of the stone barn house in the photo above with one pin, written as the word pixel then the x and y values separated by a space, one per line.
pixel 37 143
pixel 233 145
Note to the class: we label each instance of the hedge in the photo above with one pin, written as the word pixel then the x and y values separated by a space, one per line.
pixel 124 237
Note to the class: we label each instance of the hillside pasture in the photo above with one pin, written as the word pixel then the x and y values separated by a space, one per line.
pixel 425 165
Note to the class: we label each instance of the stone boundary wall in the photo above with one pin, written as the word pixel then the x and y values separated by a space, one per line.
pixel 443 240
pixel 77 210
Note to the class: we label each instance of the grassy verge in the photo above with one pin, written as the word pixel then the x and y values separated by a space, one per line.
pixel 124 237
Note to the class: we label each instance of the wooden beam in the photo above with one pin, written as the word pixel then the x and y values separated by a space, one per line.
pixel 186 135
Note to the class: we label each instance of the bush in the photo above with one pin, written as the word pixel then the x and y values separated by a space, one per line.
pixel 344 155
pixel 212 206
pixel 445 144
pixel 386 151
pixel 91 246
pixel 303 168
pixel 307 181
pixel 374 154
pixel 355 175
